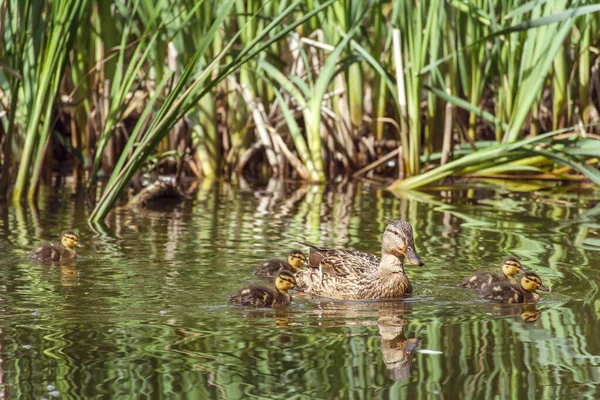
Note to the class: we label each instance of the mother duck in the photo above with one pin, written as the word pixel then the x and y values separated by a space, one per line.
pixel 354 275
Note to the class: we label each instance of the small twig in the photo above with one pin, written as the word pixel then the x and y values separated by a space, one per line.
pixel 247 156
pixel 292 159
pixel 263 135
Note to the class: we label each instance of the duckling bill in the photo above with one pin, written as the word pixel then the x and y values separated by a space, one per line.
pixel 58 251
pixel 523 292
pixel 263 296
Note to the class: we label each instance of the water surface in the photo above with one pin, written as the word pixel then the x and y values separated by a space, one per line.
pixel 144 311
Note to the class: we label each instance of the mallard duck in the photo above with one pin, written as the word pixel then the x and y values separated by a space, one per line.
pixel 262 296
pixel 58 251
pixel 354 275
pixel 522 292
pixel 271 268
pixel 511 266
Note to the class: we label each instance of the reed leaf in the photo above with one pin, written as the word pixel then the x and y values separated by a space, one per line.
pixel 62 19
pixel 481 159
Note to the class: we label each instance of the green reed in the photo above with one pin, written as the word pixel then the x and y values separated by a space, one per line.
pixel 325 91
pixel 46 70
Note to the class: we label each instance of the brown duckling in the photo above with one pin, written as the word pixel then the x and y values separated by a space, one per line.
pixel 511 266
pixel 58 251
pixel 523 292
pixel 271 268
pixel 261 296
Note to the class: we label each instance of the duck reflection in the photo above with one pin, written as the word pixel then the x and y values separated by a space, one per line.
pixel 526 312
pixel 283 316
pixel 530 313
pixel 396 348
pixel 68 274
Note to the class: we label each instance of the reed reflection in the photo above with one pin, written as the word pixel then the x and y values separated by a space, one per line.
pixel 187 257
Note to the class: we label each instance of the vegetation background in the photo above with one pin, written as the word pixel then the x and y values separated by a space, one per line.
pixel 409 91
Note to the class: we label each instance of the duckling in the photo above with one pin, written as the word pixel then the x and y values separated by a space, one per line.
pixel 511 266
pixel 58 251
pixel 523 292
pixel 271 268
pixel 261 296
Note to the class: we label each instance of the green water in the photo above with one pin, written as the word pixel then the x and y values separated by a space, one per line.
pixel 143 312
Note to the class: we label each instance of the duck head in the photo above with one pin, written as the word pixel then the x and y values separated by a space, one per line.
pixel 530 282
pixel 398 241
pixel 296 259
pixel 511 266
pixel 285 281
pixel 70 239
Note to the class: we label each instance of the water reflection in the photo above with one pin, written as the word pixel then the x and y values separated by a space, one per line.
pixel 390 319
pixel 396 349
pixel 143 310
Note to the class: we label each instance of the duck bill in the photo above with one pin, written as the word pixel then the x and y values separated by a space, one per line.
pixel 79 244
pixel 543 288
pixel 412 344
pixel 412 257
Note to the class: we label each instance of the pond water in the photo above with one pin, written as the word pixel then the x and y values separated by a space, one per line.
pixel 143 312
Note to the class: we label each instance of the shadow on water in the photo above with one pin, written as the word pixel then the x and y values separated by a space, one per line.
pixel 143 311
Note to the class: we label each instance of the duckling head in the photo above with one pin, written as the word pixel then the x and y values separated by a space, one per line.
pixel 296 259
pixel 398 241
pixel 285 281
pixel 532 315
pixel 530 282
pixel 70 239
pixel 511 266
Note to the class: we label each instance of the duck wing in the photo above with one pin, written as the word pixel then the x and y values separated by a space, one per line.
pixel 504 293
pixel 271 268
pixel 339 272
pixel 316 254
pixel 483 280
pixel 341 259
pixel 351 262
pixel 47 251
pixel 255 296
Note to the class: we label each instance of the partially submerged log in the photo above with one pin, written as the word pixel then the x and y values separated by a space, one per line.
pixel 156 191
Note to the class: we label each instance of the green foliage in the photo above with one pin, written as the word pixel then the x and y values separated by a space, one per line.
pixel 294 89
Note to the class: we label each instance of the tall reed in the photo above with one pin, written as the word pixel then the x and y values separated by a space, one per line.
pixel 308 90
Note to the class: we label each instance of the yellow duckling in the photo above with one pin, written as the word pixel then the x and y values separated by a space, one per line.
pixel 58 251
pixel 261 296
pixel 523 292
pixel 271 268
pixel 511 266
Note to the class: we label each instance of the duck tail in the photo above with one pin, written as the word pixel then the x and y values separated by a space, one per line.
pixel 317 254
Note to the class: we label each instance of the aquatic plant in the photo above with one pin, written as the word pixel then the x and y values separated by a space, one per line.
pixel 309 90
